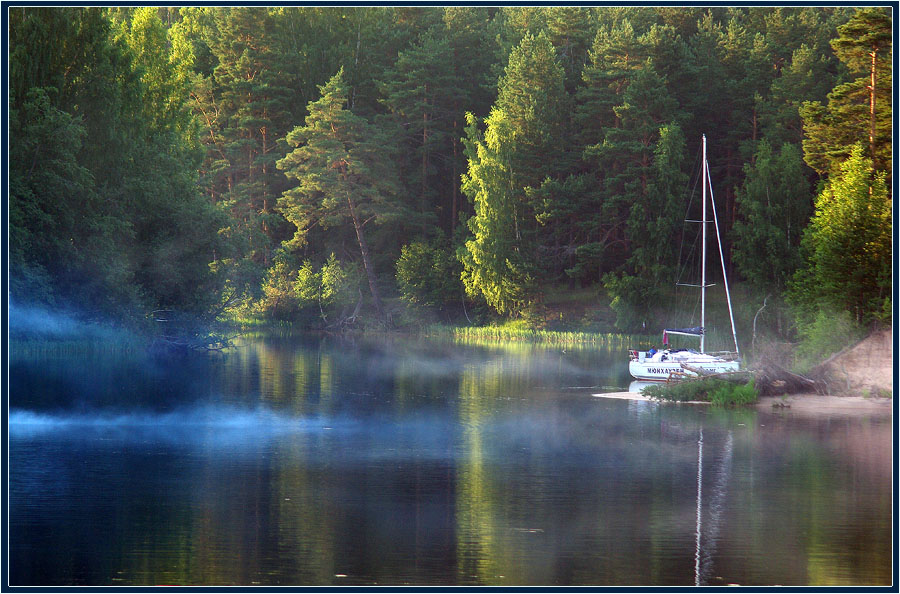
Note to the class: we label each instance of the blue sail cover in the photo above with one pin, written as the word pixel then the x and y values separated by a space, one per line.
pixel 695 331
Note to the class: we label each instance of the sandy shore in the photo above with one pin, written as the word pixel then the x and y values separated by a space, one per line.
pixel 799 403
pixel 815 403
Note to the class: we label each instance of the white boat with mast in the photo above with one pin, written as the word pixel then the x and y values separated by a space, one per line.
pixel 667 363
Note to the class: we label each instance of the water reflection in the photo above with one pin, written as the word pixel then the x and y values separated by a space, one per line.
pixel 293 461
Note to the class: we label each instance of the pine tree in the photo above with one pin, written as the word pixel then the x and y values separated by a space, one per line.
pixel 859 110
pixel 344 170
pixel 421 91
pixel 805 77
pixel 474 54
pixel 571 30
pixel 616 53
pixel 864 45
pixel 252 92
pixel 651 219
pixel 626 155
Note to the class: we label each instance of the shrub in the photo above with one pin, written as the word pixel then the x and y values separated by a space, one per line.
pixel 335 286
pixel 428 274
pixel 827 334
pixel 716 391
pixel 736 394
pixel 278 300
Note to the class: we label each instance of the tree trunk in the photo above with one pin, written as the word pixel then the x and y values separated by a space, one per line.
pixel 453 208
pixel 364 251
pixel 424 168
pixel 874 55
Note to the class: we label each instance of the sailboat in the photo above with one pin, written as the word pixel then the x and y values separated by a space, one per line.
pixel 666 363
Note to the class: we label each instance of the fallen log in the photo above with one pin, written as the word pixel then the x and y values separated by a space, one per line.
pixel 732 376
pixel 770 379
pixel 773 380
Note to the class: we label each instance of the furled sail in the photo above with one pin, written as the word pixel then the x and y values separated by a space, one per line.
pixel 695 331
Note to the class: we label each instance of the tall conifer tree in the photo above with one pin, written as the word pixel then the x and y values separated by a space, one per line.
pixel 859 110
pixel 344 170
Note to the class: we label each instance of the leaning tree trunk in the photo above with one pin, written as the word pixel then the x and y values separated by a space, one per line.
pixel 364 250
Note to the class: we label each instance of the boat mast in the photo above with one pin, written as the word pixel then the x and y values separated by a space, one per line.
pixel 703 257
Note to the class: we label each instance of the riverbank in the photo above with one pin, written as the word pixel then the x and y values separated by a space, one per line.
pixel 822 404
pixel 807 404
pixel 860 379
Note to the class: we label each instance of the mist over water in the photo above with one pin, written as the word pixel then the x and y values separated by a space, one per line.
pixel 226 419
pixel 42 322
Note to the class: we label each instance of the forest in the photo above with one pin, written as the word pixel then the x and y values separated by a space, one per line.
pixel 351 167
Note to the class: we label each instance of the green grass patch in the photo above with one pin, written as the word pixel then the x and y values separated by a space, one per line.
pixel 716 391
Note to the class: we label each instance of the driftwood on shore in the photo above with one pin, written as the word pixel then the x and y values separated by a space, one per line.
pixel 770 379
pixel 774 380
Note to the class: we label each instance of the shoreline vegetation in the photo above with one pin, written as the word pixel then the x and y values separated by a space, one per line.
pixel 542 176
pixel 861 371
pixel 540 186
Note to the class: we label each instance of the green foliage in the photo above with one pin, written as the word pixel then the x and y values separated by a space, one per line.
pixel 44 176
pixel 494 266
pixel 858 110
pixel 334 286
pixel 628 294
pixel 849 244
pixel 716 391
pixel 773 204
pixel 105 209
pixel 428 274
pixel 144 151
pixel 279 296
pixel 826 334
pixel 514 153
pixel 734 394
pixel 306 294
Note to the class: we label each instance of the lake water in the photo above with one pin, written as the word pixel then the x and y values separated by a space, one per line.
pixel 299 461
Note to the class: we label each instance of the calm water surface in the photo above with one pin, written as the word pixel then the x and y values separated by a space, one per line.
pixel 292 461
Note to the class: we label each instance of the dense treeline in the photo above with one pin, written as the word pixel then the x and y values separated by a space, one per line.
pixel 313 164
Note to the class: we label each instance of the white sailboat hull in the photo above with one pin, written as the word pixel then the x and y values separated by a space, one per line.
pixel 656 369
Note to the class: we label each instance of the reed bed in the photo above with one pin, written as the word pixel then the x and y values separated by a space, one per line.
pixel 521 333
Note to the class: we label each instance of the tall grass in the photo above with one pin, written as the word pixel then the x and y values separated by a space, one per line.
pixel 515 331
